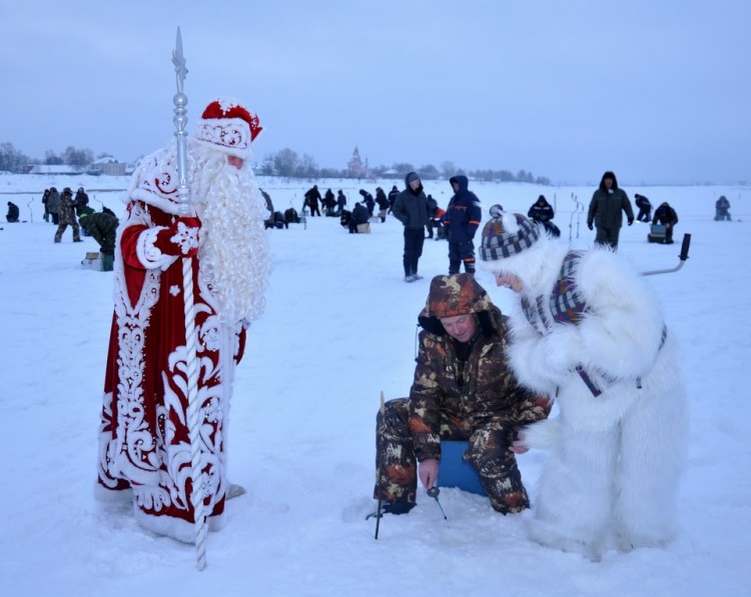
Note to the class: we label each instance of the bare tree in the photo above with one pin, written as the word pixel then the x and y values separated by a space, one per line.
pixel 285 162
pixel 12 160
pixel 448 169
pixel 77 157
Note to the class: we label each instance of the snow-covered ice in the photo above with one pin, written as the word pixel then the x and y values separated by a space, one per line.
pixel 338 328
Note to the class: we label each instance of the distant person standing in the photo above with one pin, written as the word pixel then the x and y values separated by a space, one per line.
pixel 13 213
pixel 67 217
pixel 411 209
pixel 645 208
pixel 45 197
pixel 341 202
pixel 432 208
pixel 608 201
pixel 668 217
pixel 53 205
pixel 383 203
pixel 462 218
pixel 81 201
pixel 393 194
pixel 368 200
pixel 329 203
pixel 312 197
pixel 722 209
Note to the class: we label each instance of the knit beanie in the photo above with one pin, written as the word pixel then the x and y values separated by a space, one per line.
pixel 412 176
pixel 506 234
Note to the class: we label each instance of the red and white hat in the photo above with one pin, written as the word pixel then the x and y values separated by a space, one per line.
pixel 227 126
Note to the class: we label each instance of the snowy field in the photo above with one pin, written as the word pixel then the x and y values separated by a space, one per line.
pixel 339 327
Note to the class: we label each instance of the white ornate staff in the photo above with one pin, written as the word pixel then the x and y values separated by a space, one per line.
pixel 194 411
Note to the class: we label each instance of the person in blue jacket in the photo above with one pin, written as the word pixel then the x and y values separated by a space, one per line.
pixel 462 218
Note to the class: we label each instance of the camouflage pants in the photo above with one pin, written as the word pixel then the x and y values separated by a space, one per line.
pixel 61 228
pixel 488 441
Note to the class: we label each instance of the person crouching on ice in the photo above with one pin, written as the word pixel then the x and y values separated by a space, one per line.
pixel 463 390
pixel 590 332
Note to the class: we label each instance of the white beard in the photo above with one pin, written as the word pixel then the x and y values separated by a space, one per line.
pixel 234 252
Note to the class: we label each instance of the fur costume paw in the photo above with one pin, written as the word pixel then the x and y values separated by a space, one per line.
pixel 541 435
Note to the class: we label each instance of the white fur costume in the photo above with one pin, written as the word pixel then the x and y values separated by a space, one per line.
pixel 616 458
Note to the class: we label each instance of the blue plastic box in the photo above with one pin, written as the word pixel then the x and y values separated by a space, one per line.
pixel 454 471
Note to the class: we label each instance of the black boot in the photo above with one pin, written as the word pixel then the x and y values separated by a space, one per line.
pixel 396 508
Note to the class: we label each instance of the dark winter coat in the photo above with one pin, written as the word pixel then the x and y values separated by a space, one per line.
pixel 369 201
pixel 53 201
pixel 642 202
pixel 411 207
pixel 81 200
pixel 480 387
pixel 13 212
pixel 381 199
pixel 341 200
pixel 541 211
pixel 432 206
pixel 360 214
pixel 393 194
pixel 665 215
pixel 605 209
pixel 103 227
pixel 463 214
pixel 722 204
pixel 312 196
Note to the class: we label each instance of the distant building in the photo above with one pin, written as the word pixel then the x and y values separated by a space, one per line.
pixel 356 168
pixel 107 165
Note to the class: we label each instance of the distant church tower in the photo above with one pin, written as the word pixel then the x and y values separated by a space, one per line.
pixel 355 167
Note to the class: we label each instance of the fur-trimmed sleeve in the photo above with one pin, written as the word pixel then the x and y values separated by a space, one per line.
pixel 535 364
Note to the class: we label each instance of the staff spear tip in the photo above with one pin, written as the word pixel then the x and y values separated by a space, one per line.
pixel 178 59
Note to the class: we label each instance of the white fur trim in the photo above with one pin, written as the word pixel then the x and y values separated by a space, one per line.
pixel 186 237
pixel 229 135
pixel 541 435
pixel 148 254
pixel 155 181
pixel 112 496
pixel 177 528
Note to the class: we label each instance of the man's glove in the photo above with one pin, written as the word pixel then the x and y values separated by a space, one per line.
pixel 589 225
pixel 630 221
pixel 180 239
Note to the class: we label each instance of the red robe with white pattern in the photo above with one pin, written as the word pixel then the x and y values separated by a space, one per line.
pixel 144 435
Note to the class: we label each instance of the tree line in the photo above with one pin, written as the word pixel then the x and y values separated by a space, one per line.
pixel 12 160
pixel 286 163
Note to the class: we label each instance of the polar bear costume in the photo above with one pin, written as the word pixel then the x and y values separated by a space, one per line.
pixel 590 333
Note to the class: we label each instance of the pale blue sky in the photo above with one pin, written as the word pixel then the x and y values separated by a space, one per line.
pixel 656 91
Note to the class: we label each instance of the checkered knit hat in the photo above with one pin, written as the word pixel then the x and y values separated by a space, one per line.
pixel 506 234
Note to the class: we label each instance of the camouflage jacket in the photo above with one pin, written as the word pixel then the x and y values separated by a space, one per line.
pixel 103 227
pixel 478 391
pixel 67 215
